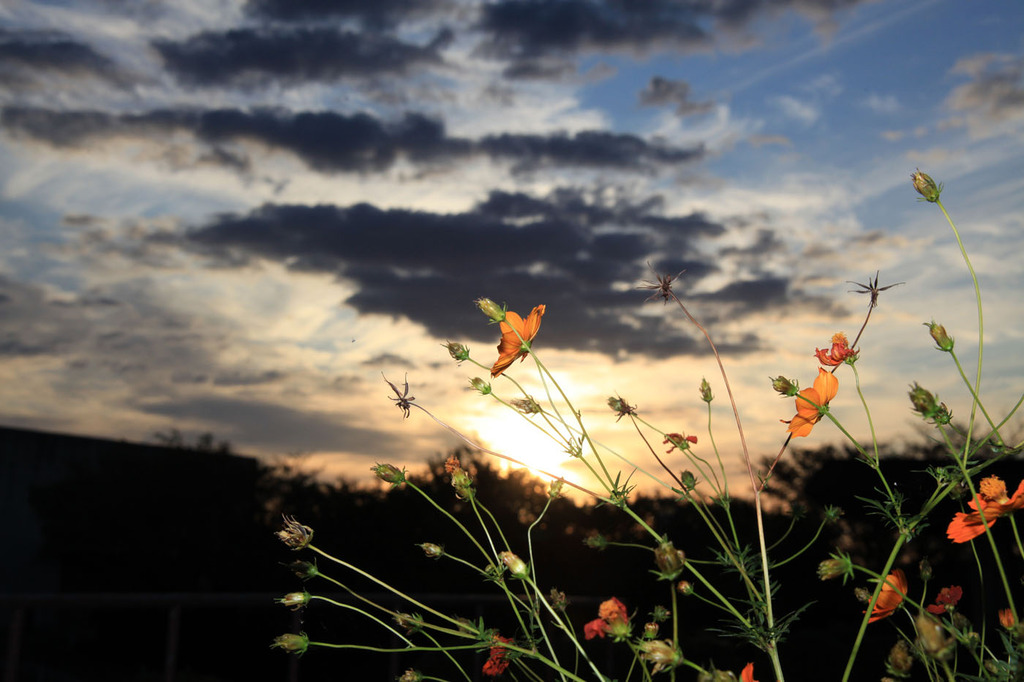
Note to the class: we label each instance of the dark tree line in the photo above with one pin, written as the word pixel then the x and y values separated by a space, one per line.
pixel 201 523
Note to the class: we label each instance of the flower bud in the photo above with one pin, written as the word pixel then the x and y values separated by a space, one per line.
pixel 684 587
pixel 932 637
pixel 928 406
pixel 900 659
pixel 490 309
pixel 294 600
pixel 516 566
pixel 688 480
pixel 925 186
pixel 304 569
pixel 661 653
pixel 670 561
pixel 660 614
pixel 784 386
pixel 943 340
pixel 294 534
pixel 457 351
pixel 431 550
pixel 480 385
pixel 596 541
pixel 525 405
pixel 558 600
pixel 388 473
pixel 651 630
pixel 292 643
pixel 411 675
pixel 620 407
pixel 556 488
pixel 833 568
pixel 705 391
pixel 924 568
pixel 410 622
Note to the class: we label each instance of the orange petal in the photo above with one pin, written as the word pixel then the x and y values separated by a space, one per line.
pixel 827 385
pixel 806 409
pixel 966 527
pixel 748 673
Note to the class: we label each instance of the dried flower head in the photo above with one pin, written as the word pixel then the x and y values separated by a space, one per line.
pixel 872 288
pixel 404 400
pixel 620 407
pixel 458 351
pixel 662 287
pixel 294 534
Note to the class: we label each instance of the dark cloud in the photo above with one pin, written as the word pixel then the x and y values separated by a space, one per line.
pixel 253 56
pixel 376 13
pixel 331 142
pixel 996 88
pixel 526 32
pixel 525 29
pixel 272 426
pixel 662 91
pixel 28 58
pixel 580 253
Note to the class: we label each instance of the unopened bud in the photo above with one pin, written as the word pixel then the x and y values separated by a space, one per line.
pixel 830 569
pixel 596 541
pixel 292 643
pixel 900 659
pixel 705 391
pixel 556 488
pixel 781 384
pixel 932 637
pixel 294 600
pixel 670 561
pixel 661 653
pixel 480 385
pixel 525 405
pixel 684 587
pixel 516 566
pixel 925 186
pixel 457 351
pixel 304 569
pixel 651 630
pixel 943 340
pixel 388 473
pixel 924 568
pixel 490 309
pixel 411 675
pixel 431 550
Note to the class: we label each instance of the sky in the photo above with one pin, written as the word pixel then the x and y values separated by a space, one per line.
pixel 240 216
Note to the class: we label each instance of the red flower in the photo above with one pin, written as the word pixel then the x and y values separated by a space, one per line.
pixel 1006 618
pixel 807 415
pixel 612 617
pixel 891 597
pixel 510 348
pixel 994 503
pixel 676 440
pixel 748 673
pixel 946 599
pixel 497 661
pixel 838 353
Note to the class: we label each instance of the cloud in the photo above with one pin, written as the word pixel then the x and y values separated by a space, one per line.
pixel 882 104
pixel 662 91
pixel 376 14
pixel 802 111
pixel 331 143
pixel 254 56
pixel 580 253
pixel 29 58
pixel 994 94
pixel 270 426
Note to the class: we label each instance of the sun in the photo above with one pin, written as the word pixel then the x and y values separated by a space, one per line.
pixel 517 437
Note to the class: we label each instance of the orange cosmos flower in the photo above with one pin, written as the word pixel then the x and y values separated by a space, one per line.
pixel 994 503
pixel 891 596
pixel 510 348
pixel 838 353
pixel 825 388
pixel 748 673
pixel 612 617
pixel 1006 618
